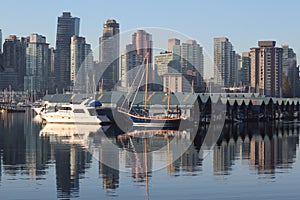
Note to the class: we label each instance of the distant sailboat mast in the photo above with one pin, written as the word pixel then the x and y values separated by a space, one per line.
pixel 169 93
pixel 146 84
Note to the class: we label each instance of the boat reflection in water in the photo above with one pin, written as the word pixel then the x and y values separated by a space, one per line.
pixel 69 133
pixel 146 151
pixel 266 149
pixel 162 147
pixel 138 152
pixel 72 153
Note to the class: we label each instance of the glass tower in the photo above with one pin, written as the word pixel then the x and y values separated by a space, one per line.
pixel 67 26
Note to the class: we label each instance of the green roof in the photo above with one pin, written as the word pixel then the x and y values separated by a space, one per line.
pixel 204 97
pixel 224 100
pixel 231 102
pixel 214 99
pixel 239 101
pixel 247 101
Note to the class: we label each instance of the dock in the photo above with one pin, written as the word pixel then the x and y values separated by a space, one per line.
pixel 236 107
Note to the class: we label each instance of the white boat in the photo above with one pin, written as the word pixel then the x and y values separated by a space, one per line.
pixel 38 110
pixel 83 113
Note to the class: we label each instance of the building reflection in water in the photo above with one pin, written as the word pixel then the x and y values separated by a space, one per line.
pixel 264 147
pixel 70 144
pixel 110 170
pixel 28 148
pixel 22 152
pixel 108 157
pixel 187 163
pixel 146 150
pixel 71 163
pixel 137 155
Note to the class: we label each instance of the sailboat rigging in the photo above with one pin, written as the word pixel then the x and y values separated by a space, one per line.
pixel 140 116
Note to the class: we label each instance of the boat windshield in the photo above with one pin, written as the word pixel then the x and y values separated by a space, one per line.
pixel 92 112
pixel 78 111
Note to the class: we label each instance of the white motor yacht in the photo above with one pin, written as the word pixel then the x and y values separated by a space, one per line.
pixel 84 113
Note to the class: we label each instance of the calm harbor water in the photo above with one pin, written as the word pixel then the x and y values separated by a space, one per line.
pixel 250 161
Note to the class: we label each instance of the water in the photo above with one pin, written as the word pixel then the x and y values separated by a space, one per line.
pixel 251 161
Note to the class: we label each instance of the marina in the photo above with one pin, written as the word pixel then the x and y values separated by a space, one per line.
pixel 200 107
pixel 210 139
pixel 159 109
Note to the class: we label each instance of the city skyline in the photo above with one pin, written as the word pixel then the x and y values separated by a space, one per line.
pixel 150 99
pixel 202 26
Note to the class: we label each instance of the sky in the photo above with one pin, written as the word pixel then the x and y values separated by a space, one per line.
pixel 243 22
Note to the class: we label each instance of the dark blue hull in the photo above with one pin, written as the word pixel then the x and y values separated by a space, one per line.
pixel 155 122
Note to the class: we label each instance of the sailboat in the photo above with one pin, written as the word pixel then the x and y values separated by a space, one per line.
pixel 140 116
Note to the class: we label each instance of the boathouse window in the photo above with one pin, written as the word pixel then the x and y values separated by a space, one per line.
pixel 78 111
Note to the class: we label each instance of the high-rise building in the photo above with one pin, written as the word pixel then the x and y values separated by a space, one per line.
pixel 135 55
pixel 51 71
pixel 225 71
pixel 173 81
pixel 175 48
pixel 290 79
pixel 143 44
pixel 12 50
pixel 186 59
pixel 81 62
pixel 246 65
pixel 0 41
pixel 192 59
pixel 13 63
pixel 177 82
pixel 266 69
pixel 109 50
pixel 162 61
pixel 67 26
pixel 239 70
pixel 129 61
pixel 1 57
pixel 172 42
pixel 235 68
pixel 37 65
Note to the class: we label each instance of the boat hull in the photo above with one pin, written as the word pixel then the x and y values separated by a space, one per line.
pixel 15 110
pixel 161 122
pixel 71 120
pixel 155 122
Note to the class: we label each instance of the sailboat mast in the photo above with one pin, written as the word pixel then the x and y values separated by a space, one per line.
pixel 146 84
pixel 169 93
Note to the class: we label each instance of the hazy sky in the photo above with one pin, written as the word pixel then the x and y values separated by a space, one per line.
pixel 243 22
